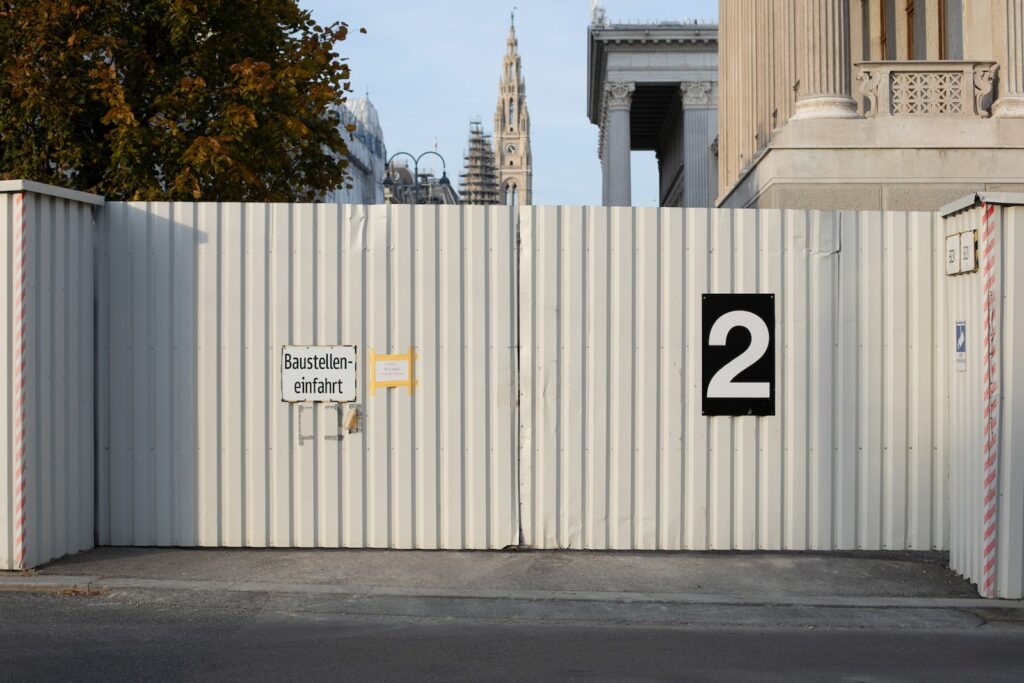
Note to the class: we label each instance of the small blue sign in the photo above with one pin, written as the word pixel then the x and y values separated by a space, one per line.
pixel 960 343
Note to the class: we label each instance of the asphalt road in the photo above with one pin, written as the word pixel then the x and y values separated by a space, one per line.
pixel 145 636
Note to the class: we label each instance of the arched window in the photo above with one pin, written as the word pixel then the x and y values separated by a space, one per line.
pixel 511 194
pixel 511 113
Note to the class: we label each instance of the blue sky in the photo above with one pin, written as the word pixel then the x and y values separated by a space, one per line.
pixel 430 67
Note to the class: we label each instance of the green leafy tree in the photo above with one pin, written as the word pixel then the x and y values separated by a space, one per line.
pixel 230 100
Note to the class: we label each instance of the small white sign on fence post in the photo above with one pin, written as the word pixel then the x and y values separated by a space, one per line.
pixel 968 252
pixel 952 254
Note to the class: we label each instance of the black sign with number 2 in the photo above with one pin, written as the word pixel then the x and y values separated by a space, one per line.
pixel 738 352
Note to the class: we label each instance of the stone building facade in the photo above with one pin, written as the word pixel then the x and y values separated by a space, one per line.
pixel 655 87
pixel 367 155
pixel 869 104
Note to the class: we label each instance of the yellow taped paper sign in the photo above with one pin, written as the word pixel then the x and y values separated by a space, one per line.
pixel 388 371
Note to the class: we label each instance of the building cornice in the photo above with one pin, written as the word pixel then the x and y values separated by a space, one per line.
pixel 679 33
pixel 639 38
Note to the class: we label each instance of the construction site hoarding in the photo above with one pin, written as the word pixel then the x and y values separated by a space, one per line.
pixel 313 375
pixel 46 371
pixel 617 450
pixel 198 445
pixel 983 331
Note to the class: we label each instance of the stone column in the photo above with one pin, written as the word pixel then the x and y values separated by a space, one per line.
pixel 823 60
pixel 700 125
pixel 1011 73
pixel 618 98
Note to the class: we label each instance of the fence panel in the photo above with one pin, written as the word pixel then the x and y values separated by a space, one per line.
pixel 196 446
pixel 46 371
pixel 615 452
pixel 986 517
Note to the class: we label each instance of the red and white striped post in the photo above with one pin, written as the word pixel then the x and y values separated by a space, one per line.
pixel 20 377
pixel 991 411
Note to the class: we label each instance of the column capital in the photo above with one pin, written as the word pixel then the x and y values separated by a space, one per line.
pixel 618 97
pixel 619 94
pixel 699 93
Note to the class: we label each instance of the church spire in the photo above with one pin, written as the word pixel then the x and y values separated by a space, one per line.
pixel 512 78
pixel 512 153
pixel 513 42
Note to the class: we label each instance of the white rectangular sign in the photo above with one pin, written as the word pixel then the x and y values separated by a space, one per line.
pixel 952 254
pixel 318 373
pixel 968 252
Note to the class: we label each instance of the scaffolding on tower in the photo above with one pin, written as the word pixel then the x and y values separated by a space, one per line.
pixel 478 182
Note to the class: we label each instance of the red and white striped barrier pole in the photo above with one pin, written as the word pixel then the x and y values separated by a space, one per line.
pixel 19 377
pixel 991 414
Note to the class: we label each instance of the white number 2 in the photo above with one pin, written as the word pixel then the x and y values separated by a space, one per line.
pixel 722 384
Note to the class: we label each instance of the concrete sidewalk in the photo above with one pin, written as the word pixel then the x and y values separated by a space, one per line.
pixel 910 575
pixel 800 577
pixel 855 590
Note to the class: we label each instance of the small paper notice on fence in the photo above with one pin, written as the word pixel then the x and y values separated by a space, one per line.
pixel 318 373
pixel 392 370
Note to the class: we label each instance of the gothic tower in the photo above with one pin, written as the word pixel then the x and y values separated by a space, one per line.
pixel 512 155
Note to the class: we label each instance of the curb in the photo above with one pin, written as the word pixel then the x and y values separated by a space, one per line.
pixel 95 583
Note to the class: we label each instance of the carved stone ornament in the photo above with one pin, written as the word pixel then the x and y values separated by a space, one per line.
pixel 927 88
pixel 927 93
pixel 602 138
pixel 984 76
pixel 869 80
pixel 696 93
pixel 619 94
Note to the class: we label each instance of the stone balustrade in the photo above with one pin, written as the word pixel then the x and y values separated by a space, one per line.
pixel 927 88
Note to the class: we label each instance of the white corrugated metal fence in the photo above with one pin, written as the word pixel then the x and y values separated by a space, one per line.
pixel 57 458
pixel 558 401
pixel 967 402
pixel 196 446
pixel 615 450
